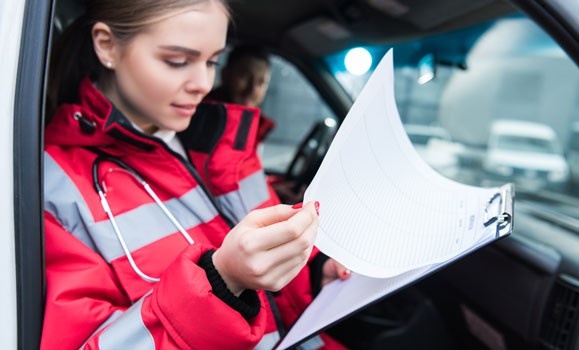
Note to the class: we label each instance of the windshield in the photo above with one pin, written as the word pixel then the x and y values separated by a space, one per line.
pixel 462 82
pixel 525 144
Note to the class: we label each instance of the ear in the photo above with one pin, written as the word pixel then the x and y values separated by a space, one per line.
pixel 104 44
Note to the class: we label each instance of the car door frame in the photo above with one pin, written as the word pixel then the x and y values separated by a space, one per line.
pixel 28 125
pixel 559 18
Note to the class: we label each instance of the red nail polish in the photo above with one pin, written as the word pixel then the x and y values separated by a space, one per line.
pixel 317 206
pixel 297 205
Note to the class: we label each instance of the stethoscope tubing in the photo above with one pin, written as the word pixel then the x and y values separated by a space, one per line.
pixel 107 208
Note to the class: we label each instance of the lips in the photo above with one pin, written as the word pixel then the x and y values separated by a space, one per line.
pixel 184 109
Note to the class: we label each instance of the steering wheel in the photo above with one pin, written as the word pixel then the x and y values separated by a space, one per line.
pixel 310 153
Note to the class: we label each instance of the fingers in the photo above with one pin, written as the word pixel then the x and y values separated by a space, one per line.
pixel 268 248
pixel 342 272
pixel 296 249
pixel 288 259
pixel 283 232
pixel 333 270
pixel 268 216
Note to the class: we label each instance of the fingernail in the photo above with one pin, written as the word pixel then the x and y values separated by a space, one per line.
pixel 297 205
pixel 346 273
pixel 317 206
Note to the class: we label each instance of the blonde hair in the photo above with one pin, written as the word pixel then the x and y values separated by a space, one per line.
pixel 128 18
pixel 73 56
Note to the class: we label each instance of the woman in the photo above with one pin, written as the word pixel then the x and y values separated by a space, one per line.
pixel 160 231
pixel 244 81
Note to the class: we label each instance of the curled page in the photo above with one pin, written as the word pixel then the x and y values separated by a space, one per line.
pixel 383 210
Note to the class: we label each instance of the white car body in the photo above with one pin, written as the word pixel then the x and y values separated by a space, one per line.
pixel 526 153
pixel 11 19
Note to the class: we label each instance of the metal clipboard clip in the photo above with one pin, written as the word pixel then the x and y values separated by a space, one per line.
pixel 504 212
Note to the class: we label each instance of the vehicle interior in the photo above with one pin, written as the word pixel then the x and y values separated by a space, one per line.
pixel 521 292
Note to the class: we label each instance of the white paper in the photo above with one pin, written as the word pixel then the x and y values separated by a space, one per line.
pixel 384 213
pixel 383 210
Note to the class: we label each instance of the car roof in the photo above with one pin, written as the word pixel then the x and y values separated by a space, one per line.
pixel 319 27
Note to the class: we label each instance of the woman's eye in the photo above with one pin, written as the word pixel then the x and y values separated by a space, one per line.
pixel 212 63
pixel 176 63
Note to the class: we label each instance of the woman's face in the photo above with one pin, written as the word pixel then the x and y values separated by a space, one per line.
pixel 164 72
pixel 247 81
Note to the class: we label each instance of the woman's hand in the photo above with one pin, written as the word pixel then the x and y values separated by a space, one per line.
pixel 333 270
pixel 268 248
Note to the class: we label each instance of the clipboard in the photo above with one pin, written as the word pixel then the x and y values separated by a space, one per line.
pixel 369 140
pixel 505 214
pixel 499 211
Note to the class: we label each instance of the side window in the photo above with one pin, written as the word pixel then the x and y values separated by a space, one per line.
pixel 295 106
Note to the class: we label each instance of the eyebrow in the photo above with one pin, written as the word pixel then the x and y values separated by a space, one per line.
pixel 187 51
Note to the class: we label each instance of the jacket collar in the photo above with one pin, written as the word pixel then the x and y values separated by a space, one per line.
pixel 94 122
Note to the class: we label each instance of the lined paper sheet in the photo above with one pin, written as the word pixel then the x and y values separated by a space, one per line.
pixel 383 210
pixel 384 213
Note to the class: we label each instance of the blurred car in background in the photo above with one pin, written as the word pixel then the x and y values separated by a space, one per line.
pixel 526 153
pixel 436 147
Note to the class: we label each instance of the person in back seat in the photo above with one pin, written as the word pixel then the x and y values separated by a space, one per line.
pixel 244 81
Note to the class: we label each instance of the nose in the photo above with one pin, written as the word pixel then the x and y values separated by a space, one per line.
pixel 200 80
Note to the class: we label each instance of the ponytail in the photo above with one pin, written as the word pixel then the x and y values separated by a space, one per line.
pixel 72 59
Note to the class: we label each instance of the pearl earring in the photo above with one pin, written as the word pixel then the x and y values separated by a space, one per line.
pixel 109 64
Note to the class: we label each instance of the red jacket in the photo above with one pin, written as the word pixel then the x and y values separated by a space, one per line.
pixel 265 125
pixel 94 298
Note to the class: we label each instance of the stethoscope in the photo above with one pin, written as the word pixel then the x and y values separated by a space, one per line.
pixel 102 192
